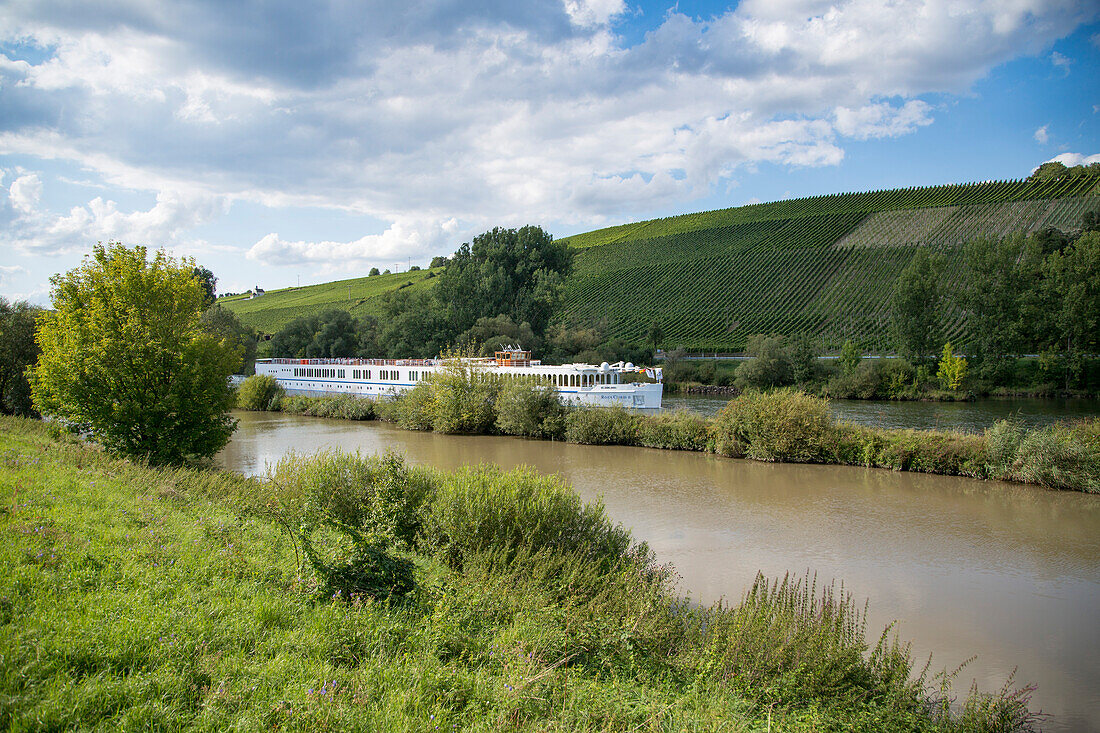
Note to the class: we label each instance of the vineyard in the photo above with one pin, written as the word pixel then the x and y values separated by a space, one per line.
pixel 359 296
pixel 824 266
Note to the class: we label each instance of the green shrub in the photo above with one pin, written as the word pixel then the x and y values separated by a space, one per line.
pixel 459 398
pixel 477 509
pixel 679 430
pixel 784 425
pixel 259 392
pixel 1054 458
pixel 531 409
pixel 348 514
pixel 933 451
pixel 413 409
pixel 601 426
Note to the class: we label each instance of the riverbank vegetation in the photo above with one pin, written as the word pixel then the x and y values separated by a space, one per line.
pixel 352 593
pixel 781 425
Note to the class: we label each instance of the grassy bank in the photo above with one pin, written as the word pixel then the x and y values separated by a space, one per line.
pixel 782 425
pixel 363 594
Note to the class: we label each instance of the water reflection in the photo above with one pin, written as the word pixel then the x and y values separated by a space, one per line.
pixel 1010 573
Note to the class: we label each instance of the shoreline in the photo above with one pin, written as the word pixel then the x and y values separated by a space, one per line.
pixel 782 426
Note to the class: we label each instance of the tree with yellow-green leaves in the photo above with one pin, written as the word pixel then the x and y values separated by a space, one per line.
pixel 124 357
pixel 952 369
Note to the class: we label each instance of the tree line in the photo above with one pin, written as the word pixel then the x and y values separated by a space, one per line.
pixel 1024 294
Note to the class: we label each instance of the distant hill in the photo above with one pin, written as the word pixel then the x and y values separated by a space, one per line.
pixel 360 296
pixel 825 266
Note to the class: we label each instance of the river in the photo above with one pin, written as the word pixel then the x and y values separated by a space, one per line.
pixel 1006 572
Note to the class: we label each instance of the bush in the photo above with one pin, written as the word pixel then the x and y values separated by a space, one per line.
pixel 477 509
pixel 933 451
pixel 601 426
pixel 348 514
pixel 1063 456
pixel 530 409
pixel 783 425
pixel 769 367
pixel 1053 457
pixel 259 392
pixel 680 430
pixel 459 398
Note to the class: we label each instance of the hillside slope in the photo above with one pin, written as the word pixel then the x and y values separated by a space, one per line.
pixel 824 266
pixel 360 296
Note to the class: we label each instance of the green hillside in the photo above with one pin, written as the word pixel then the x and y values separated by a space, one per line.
pixel 824 266
pixel 360 296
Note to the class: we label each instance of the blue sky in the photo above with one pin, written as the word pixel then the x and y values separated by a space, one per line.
pixel 278 143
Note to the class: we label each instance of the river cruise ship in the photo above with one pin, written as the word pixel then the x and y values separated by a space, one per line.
pixel 606 384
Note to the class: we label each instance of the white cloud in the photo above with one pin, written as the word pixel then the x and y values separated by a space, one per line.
pixel 404 239
pixel 1061 61
pixel 24 193
pixel 589 13
pixel 37 230
pixel 882 120
pixel 482 113
pixel 1072 159
pixel 1042 136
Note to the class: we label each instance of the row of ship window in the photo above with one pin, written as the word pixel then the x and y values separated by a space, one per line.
pixel 393 375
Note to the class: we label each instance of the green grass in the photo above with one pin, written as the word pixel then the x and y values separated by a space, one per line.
pixel 359 296
pixel 176 599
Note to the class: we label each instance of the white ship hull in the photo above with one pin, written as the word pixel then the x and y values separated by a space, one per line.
pixel 584 384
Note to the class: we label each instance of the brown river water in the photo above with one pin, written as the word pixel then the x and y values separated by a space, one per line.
pixel 1008 573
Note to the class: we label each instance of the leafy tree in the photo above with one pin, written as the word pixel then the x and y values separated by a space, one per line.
pixel 655 335
pixel 438 262
pixel 223 323
pixel 1049 171
pixel 208 282
pixel 1007 309
pixel 850 357
pixel 125 358
pixel 1074 275
pixel 332 334
pixel 915 305
pixel 802 357
pixel 373 272
pixel 770 365
pixel 952 369
pixel 18 351
pixel 516 272
pixel 488 335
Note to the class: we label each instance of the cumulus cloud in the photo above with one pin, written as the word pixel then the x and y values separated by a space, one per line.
pixel 34 229
pixel 1042 136
pixel 405 238
pixel 497 111
pixel 1072 159
pixel 882 120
